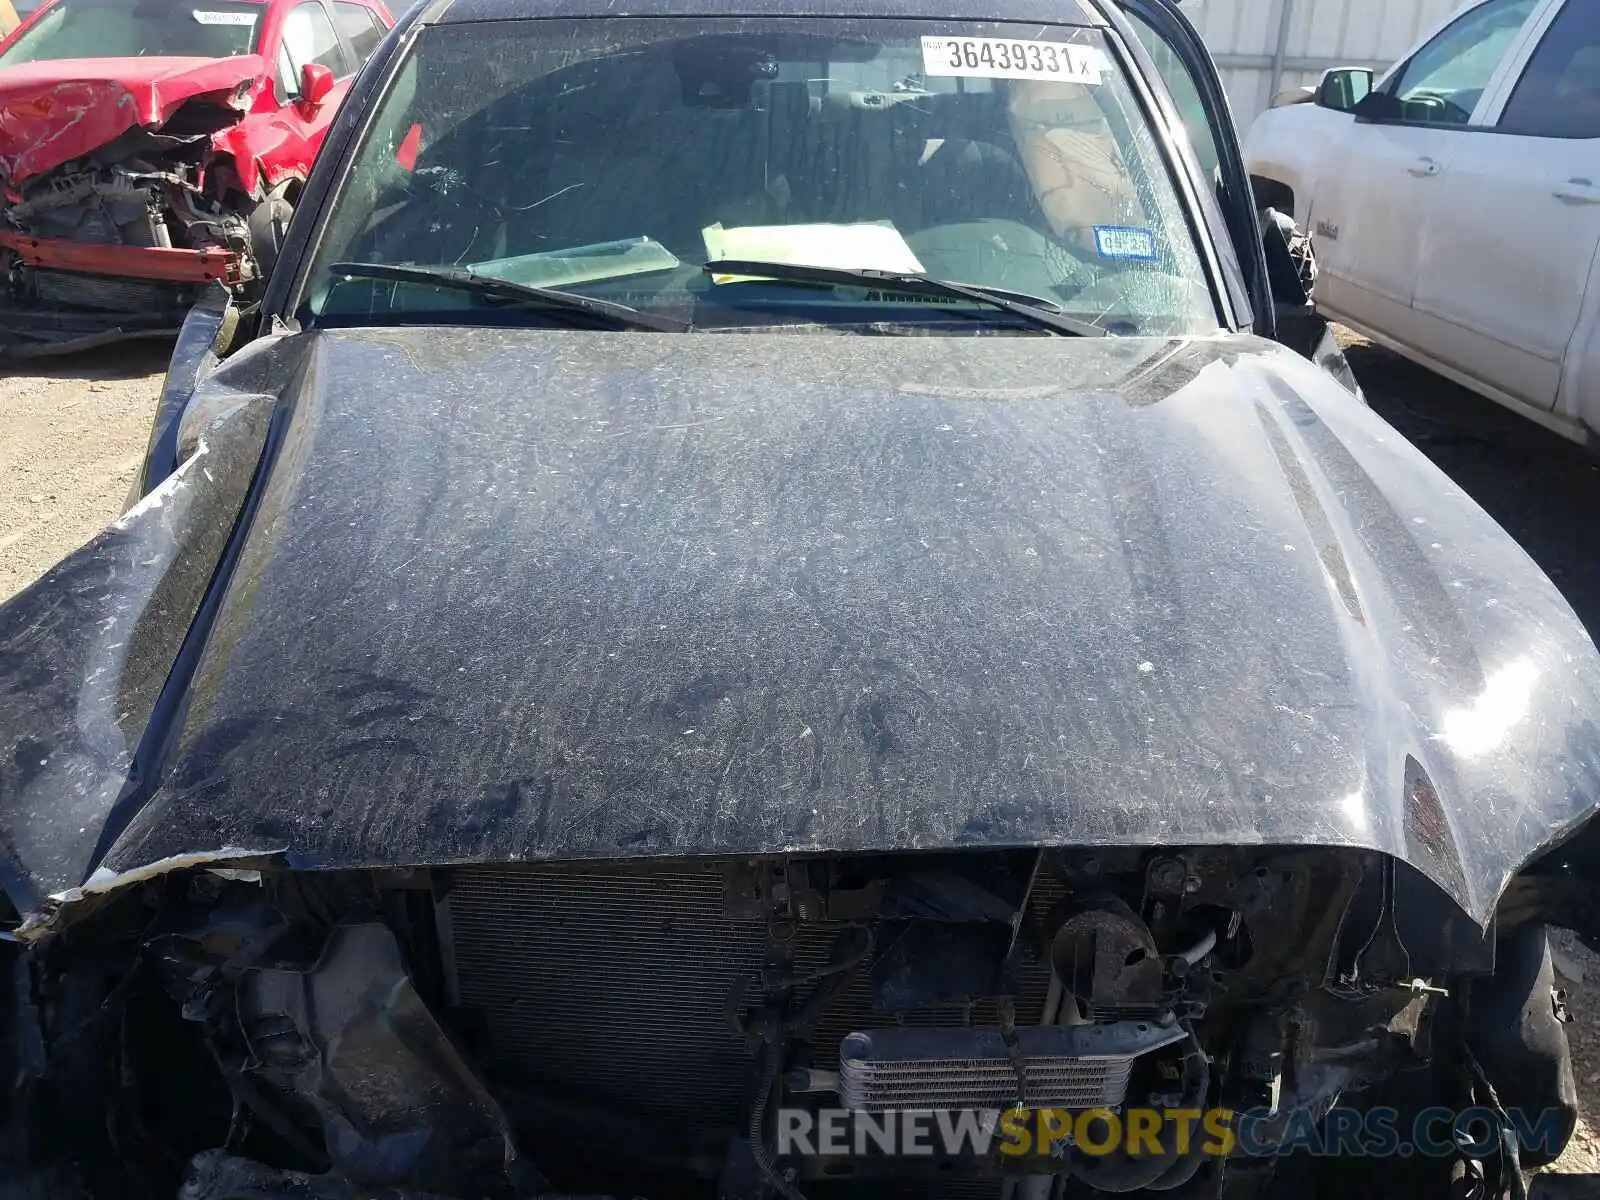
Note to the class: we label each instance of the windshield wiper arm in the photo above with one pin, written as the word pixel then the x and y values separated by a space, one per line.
pixel 1032 310
pixel 620 315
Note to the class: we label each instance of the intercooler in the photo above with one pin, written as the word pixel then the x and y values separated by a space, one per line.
pixel 616 986
pixel 1078 1066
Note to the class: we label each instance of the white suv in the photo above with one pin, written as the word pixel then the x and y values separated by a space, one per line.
pixel 1456 202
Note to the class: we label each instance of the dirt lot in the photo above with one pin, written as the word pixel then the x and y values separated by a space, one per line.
pixel 72 435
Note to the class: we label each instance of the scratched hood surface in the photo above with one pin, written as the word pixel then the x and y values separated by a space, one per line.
pixel 531 595
pixel 55 111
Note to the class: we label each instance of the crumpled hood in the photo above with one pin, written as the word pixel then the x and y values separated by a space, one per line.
pixel 53 112
pixel 535 595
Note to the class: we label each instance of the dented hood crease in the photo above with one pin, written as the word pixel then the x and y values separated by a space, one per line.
pixel 543 595
pixel 53 112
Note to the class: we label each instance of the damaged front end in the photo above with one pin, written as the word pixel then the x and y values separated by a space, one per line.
pixel 686 1027
pixel 118 205
pixel 333 875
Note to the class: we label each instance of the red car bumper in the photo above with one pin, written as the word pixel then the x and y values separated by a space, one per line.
pixel 101 293
pixel 151 263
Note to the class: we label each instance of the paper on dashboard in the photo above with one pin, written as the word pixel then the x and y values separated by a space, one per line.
pixel 867 246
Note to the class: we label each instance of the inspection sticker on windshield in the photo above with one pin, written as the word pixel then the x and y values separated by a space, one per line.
pixel 1005 58
pixel 224 18
pixel 1121 241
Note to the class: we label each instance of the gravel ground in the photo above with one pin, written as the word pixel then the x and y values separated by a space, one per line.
pixel 72 434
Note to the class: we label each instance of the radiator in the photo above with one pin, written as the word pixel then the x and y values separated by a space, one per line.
pixel 108 294
pixel 613 985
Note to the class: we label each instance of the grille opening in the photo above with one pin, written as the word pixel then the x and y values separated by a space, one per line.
pixel 605 989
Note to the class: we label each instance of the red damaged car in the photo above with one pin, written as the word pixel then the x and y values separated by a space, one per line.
pixel 149 148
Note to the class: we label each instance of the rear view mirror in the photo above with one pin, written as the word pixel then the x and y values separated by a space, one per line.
pixel 316 81
pixel 1343 88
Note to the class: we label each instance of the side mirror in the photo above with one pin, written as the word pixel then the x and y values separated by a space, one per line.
pixel 1379 107
pixel 316 81
pixel 1343 88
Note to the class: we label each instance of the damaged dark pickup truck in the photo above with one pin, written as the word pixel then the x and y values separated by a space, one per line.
pixel 149 148
pixel 720 606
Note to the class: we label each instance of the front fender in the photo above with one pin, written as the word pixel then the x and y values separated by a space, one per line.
pixel 90 656
pixel 203 339
pixel 263 154
pixel 1289 146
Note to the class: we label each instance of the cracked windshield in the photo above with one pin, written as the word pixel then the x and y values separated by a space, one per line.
pixel 614 160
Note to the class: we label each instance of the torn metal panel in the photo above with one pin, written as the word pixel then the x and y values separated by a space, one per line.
pixel 230 862
pixel 53 112
pixel 86 651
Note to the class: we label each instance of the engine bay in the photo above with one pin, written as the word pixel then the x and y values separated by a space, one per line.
pixel 654 1028
pixel 137 202
pixel 157 201
pixel 125 235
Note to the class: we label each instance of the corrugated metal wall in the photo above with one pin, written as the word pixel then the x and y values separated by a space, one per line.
pixel 1264 46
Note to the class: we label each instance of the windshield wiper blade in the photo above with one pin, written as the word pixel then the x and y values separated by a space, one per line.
pixel 1032 310
pixel 620 315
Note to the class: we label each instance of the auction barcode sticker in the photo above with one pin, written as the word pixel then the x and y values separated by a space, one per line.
pixel 1006 58
pixel 207 17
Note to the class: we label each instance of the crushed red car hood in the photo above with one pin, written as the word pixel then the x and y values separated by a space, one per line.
pixel 53 112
